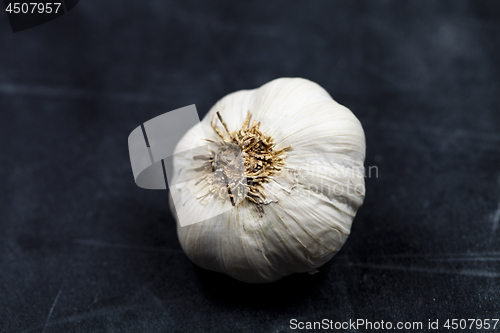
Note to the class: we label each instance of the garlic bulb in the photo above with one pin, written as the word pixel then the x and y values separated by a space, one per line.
pixel 279 185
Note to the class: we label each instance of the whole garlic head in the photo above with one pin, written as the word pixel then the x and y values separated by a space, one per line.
pixel 284 174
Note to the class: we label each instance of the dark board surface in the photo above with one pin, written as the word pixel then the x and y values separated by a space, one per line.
pixel 83 249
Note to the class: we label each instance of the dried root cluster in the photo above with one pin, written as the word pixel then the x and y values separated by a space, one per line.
pixel 240 163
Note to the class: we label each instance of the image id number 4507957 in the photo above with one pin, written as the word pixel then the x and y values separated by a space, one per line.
pixel 33 8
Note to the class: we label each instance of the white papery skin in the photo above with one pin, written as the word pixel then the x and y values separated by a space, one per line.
pixel 311 201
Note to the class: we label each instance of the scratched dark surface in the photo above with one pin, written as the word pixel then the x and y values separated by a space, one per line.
pixel 82 249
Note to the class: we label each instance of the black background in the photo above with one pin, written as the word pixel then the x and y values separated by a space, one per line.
pixel 83 249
